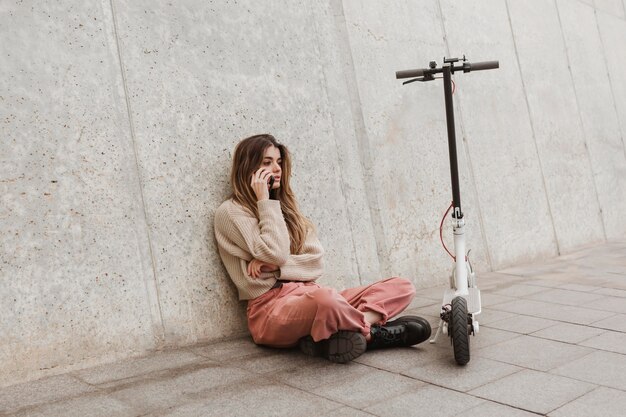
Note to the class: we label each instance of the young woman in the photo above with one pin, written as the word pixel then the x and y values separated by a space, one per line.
pixel 274 257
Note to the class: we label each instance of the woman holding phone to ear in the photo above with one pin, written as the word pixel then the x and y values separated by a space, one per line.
pixel 272 254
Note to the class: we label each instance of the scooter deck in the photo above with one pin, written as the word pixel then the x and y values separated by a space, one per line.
pixel 473 299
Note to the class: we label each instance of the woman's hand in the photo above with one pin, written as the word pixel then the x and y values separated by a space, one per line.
pixel 260 184
pixel 255 267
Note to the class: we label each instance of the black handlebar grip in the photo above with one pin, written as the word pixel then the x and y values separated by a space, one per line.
pixel 487 65
pixel 410 73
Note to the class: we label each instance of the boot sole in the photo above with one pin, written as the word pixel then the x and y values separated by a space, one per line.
pixel 345 346
pixel 309 347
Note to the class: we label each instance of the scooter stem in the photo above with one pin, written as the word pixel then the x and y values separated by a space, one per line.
pixel 454 168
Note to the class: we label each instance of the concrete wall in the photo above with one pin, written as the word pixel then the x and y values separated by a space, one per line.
pixel 118 120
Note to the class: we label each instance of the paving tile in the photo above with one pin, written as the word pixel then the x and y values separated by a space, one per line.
pixel 602 368
pixel 611 341
pixel 41 391
pixel 522 324
pixel 534 353
pixel 488 299
pixel 579 287
pixel 326 373
pixel 347 412
pixel 491 409
pixel 277 361
pixel 612 292
pixel 568 333
pixel 616 323
pixel 434 293
pixel 533 391
pixel 497 277
pixel 255 398
pixel 606 303
pixel 92 405
pixel 545 282
pixel 479 371
pixel 614 281
pixel 601 402
pixel 545 266
pixel 396 360
pixel 487 337
pixel 418 302
pixel 230 349
pixel 527 270
pixel 488 315
pixel 518 290
pixel 427 401
pixel 132 367
pixel 568 314
pixel 169 391
pixel 369 388
pixel 567 297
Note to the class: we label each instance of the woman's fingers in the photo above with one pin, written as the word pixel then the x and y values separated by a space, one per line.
pixel 254 267
pixel 259 183
pixel 251 268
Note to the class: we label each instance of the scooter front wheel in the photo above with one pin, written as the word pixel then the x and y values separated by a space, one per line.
pixel 459 331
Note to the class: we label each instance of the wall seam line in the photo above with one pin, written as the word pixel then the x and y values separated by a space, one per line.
pixel 608 74
pixel 580 119
pixel 156 304
pixel 324 88
pixel 532 128
pixel 365 157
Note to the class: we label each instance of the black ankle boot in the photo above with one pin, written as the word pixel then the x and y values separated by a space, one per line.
pixel 341 347
pixel 402 332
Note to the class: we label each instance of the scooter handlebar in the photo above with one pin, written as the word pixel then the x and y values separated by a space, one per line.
pixel 486 65
pixel 466 67
pixel 410 73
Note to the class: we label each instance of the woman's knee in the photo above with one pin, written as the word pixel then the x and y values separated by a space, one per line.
pixel 323 296
pixel 402 285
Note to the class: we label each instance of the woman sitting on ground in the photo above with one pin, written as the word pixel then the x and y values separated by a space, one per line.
pixel 274 257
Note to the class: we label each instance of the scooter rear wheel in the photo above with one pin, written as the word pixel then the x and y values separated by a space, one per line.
pixel 459 331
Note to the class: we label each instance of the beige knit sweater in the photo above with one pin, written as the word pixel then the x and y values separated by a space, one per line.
pixel 241 238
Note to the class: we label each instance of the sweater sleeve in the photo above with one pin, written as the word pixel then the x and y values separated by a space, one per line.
pixel 266 239
pixel 306 266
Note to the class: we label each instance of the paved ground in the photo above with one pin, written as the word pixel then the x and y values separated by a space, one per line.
pixel 552 342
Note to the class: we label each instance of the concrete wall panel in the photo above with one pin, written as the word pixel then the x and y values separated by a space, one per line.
pixel 556 122
pixel 613 7
pixel 613 33
pixel 597 111
pixel 75 270
pixel 349 137
pixel 195 90
pixel 406 132
pixel 498 134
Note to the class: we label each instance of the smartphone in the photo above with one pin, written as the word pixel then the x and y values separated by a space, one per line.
pixel 271 183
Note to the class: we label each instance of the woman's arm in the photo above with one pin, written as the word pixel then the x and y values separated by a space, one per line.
pixel 306 266
pixel 245 237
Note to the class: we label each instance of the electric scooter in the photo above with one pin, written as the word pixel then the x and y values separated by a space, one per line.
pixel 461 302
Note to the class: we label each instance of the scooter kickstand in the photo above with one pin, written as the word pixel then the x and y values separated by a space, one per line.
pixel 434 339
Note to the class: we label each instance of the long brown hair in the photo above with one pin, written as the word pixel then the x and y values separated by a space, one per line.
pixel 246 161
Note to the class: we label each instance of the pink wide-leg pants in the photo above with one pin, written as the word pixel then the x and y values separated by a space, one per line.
pixel 281 316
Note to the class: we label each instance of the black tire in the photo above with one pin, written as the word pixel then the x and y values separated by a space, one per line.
pixel 459 331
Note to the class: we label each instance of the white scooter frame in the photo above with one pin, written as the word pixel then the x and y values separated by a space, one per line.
pixel 461 302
